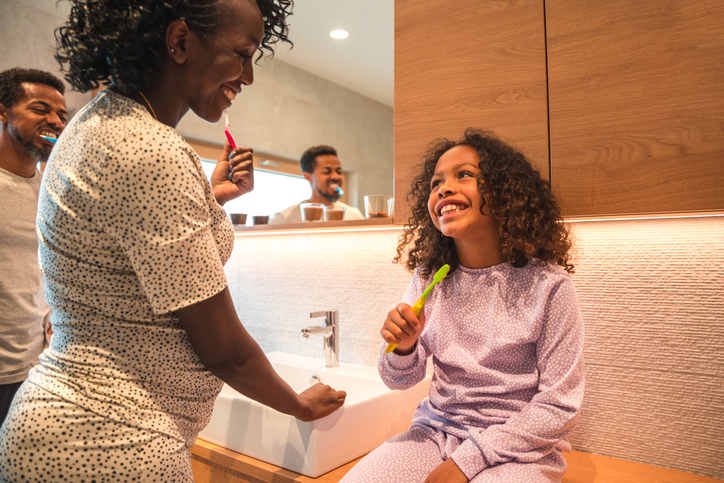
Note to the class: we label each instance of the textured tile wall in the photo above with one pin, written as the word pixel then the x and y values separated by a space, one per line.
pixel 652 297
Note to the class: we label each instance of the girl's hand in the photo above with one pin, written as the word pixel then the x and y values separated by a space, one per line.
pixel 319 401
pixel 447 472
pixel 403 328
pixel 239 162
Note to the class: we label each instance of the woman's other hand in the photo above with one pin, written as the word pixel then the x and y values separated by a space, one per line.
pixel 320 400
pixel 403 328
pixel 231 354
pixel 447 472
pixel 240 164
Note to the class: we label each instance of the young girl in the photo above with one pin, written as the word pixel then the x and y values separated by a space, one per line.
pixel 503 328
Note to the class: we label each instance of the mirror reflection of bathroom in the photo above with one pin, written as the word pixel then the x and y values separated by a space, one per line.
pixel 322 91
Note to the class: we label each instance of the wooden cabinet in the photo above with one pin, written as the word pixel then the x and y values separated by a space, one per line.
pixel 467 64
pixel 621 103
pixel 636 105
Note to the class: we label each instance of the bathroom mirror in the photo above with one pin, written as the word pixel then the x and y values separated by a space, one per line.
pixel 322 91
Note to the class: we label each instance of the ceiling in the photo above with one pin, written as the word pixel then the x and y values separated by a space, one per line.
pixel 363 62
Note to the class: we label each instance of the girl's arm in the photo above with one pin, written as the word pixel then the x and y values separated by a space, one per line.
pixel 406 365
pixel 552 413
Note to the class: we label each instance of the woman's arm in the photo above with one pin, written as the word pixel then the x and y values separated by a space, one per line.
pixel 231 354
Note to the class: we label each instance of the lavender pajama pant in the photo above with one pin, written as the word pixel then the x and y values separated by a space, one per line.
pixel 411 456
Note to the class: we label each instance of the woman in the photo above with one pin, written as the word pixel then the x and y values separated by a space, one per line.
pixel 133 244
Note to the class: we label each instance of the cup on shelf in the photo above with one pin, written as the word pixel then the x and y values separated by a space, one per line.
pixel 238 218
pixel 334 213
pixel 260 219
pixel 312 211
pixel 377 206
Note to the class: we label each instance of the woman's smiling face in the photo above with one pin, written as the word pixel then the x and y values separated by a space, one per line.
pixel 218 67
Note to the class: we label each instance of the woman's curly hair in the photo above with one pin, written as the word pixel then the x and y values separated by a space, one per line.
pixel 530 223
pixel 120 41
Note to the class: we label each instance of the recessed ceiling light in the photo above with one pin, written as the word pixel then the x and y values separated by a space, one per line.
pixel 339 34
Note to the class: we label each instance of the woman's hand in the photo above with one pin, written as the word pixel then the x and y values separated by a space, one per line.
pixel 240 164
pixel 231 354
pixel 447 472
pixel 402 327
pixel 319 401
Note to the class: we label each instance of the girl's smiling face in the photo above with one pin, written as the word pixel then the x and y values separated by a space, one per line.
pixel 455 201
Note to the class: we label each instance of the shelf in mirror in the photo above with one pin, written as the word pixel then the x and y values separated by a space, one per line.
pixel 318 226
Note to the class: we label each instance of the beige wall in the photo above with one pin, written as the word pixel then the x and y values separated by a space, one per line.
pixel 26 40
pixel 285 111
pixel 652 297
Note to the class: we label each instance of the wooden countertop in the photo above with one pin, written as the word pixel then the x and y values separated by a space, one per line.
pixel 214 464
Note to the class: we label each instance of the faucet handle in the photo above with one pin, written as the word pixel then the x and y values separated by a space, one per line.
pixel 330 316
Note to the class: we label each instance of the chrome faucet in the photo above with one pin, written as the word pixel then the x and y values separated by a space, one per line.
pixel 330 331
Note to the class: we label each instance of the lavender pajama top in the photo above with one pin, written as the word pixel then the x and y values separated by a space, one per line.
pixel 507 353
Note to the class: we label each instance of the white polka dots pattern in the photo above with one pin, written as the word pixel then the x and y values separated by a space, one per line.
pixel 508 375
pixel 130 231
pixel 64 443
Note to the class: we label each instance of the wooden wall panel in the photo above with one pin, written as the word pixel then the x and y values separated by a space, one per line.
pixel 636 105
pixel 467 64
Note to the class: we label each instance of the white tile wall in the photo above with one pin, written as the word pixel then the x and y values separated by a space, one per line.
pixel 652 297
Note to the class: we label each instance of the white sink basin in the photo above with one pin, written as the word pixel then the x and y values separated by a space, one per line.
pixel 371 414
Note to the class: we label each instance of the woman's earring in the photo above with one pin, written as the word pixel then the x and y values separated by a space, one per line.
pixel 173 51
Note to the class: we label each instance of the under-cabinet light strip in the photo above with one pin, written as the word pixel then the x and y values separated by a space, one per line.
pixel 400 227
pixel 645 217
pixel 314 231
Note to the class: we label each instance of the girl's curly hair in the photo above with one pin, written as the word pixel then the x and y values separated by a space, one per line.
pixel 530 223
pixel 121 41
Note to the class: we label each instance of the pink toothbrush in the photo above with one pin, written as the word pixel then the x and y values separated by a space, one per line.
pixel 231 141
pixel 228 132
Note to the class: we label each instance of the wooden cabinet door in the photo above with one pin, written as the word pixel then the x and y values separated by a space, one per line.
pixel 636 105
pixel 467 63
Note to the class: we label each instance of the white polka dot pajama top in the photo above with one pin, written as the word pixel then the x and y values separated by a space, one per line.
pixel 508 376
pixel 129 232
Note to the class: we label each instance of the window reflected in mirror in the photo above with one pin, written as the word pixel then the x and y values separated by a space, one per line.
pixel 273 192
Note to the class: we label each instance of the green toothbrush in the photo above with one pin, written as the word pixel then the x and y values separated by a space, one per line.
pixel 423 298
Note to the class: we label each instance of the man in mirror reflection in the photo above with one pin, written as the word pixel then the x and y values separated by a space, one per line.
pixel 322 169
pixel 31 105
